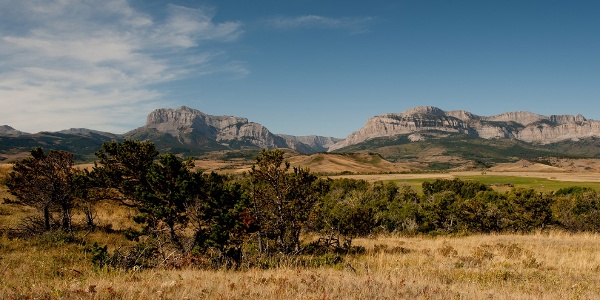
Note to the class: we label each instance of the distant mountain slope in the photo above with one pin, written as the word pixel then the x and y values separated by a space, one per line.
pixel 184 131
pixel 447 150
pixel 83 143
pixel 315 143
pixel 424 134
pixel 193 130
pixel 6 130
pixel 522 126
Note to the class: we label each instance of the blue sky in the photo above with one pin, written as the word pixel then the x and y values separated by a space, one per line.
pixel 298 67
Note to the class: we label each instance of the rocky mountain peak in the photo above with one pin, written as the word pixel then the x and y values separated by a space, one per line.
pixel 521 117
pixel 463 115
pixel 189 126
pixel 181 116
pixel 565 119
pixel 520 125
pixel 423 110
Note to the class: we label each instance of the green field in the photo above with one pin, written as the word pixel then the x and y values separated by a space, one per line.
pixel 502 183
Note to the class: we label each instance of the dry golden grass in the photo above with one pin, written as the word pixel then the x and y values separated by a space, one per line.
pixel 318 163
pixel 233 166
pixel 356 163
pixel 550 265
pixel 373 168
pixel 540 266
pixel 571 177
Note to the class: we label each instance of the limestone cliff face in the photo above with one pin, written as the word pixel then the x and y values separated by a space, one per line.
pixel 520 117
pixel 184 121
pixel 417 119
pixel 550 133
pixel 524 126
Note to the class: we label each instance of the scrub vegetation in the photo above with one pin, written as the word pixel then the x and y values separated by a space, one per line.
pixel 143 225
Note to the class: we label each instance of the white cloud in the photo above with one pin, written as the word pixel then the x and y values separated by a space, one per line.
pixel 313 21
pixel 89 63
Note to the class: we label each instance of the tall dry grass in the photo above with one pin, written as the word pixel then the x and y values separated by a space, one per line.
pixel 545 265
pixel 5 169
pixel 551 265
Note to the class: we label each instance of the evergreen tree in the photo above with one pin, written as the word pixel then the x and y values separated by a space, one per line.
pixel 45 181
pixel 282 201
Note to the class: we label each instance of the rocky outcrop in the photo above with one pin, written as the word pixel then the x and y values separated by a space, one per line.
pixel 520 117
pixel 413 120
pixel 185 122
pixel 524 126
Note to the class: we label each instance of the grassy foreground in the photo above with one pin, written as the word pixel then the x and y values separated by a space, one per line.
pixel 544 265
pixel 552 265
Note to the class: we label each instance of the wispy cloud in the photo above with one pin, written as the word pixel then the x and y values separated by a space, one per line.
pixel 74 63
pixel 354 25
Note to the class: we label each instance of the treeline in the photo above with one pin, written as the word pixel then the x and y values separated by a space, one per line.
pixel 187 217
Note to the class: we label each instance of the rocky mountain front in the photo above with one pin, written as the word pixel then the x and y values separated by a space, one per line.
pixel 189 131
pixel 184 123
pixel 523 126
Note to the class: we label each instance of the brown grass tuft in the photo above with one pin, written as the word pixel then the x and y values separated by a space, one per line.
pixel 552 265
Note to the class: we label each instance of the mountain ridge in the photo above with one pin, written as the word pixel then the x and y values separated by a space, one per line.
pixel 189 131
pixel 520 125
pixel 188 125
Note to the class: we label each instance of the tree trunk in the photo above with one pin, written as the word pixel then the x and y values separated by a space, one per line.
pixel 47 218
pixel 88 210
pixel 66 219
pixel 260 244
pixel 175 238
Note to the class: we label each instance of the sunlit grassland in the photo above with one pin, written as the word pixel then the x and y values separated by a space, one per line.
pixel 542 265
pixel 504 183
pixel 551 265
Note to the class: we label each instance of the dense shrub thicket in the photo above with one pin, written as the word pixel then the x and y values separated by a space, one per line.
pixel 209 220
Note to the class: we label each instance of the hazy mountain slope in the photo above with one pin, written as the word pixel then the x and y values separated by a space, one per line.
pixel 6 130
pixel 83 145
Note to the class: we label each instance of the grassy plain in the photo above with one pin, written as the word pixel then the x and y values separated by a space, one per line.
pixel 542 265
pixel 550 265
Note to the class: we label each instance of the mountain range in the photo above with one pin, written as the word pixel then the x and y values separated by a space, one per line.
pixel 522 126
pixel 191 132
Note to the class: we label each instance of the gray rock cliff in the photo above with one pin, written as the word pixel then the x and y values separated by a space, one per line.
pixel 184 121
pixel 524 126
